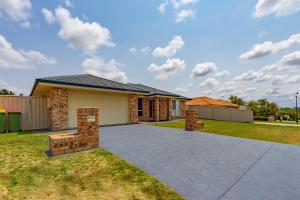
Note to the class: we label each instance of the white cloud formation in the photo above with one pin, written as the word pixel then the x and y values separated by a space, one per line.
pixel 145 50
pixel 180 3
pixel 184 88
pixel 169 68
pixel 109 70
pixel 17 10
pixel 174 45
pixel 209 83
pixel 203 69
pixel 222 74
pixel 262 33
pixel 68 3
pixel 268 47
pixel 183 15
pixel 4 84
pixel 11 58
pixel 277 7
pixel 48 15
pixel 278 80
pixel 292 59
pixel 293 79
pixel 88 36
pixel 162 7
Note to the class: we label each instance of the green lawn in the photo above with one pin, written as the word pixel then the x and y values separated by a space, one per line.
pixel 26 173
pixel 281 134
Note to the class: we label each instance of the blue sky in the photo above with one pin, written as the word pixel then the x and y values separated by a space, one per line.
pixel 190 47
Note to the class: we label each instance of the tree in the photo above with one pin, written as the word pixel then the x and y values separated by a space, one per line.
pixel 6 92
pixel 263 107
pixel 252 105
pixel 236 100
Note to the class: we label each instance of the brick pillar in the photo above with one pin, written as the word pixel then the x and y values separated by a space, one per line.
pixel 156 109
pixel 88 127
pixel 133 109
pixel 58 112
pixel 169 109
pixel 191 120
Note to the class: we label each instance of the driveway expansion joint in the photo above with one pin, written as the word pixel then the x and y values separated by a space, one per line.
pixel 247 170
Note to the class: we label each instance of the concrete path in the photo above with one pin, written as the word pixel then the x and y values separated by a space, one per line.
pixel 207 166
pixel 277 124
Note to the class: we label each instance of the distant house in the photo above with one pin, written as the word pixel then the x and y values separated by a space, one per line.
pixel 118 103
pixel 217 109
pixel 207 101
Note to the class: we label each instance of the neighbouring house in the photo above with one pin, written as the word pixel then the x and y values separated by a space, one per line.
pixel 208 101
pixel 217 109
pixel 118 103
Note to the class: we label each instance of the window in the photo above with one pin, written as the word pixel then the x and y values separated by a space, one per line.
pixel 140 107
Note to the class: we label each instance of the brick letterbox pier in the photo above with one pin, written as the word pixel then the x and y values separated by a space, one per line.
pixel 87 136
pixel 191 121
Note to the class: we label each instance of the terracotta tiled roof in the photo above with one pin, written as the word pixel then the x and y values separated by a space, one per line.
pixel 207 101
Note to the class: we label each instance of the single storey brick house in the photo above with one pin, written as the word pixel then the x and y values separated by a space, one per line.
pixel 118 103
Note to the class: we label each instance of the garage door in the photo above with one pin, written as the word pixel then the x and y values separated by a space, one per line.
pixel 113 107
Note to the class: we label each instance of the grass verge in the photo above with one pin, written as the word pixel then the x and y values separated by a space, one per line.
pixel 280 134
pixel 26 173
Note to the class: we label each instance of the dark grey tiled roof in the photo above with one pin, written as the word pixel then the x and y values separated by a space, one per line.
pixel 87 80
pixel 153 91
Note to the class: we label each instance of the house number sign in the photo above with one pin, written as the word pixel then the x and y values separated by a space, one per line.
pixel 91 118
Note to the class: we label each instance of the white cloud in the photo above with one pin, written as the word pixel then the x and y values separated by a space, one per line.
pixel 11 58
pixel 184 88
pixel 183 15
pixel 203 69
pixel 133 50
pixel 17 10
pixel 48 15
pixel 174 45
pixel 169 68
pixel 16 90
pixel 248 76
pixel 262 33
pixel 278 80
pixel 268 47
pixel 180 3
pixel 277 7
pixel 293 79
pixel 292 59
pixel 162 7
pixel 209 83
pixel 109 70
pixel 26 24
pixel 88 36
pixel 145 50
pixel 222 74
pixel 68 3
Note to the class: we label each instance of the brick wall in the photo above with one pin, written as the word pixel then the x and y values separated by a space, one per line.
pixel 156 109
pixel 58 111
pixel 191 120
pixel 163 109
pixel 87 136
pixel 146 111
pixel 133 109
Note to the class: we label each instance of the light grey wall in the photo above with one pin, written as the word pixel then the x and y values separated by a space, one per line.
pixel 225 114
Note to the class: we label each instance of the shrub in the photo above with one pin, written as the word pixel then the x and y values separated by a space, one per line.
pixel 260 118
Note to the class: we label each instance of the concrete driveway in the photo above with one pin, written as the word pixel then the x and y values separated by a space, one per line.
pixel 207 166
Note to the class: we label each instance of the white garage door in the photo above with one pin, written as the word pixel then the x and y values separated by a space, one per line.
pixel 113 107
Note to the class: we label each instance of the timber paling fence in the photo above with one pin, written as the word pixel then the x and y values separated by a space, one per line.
pixel 34 112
